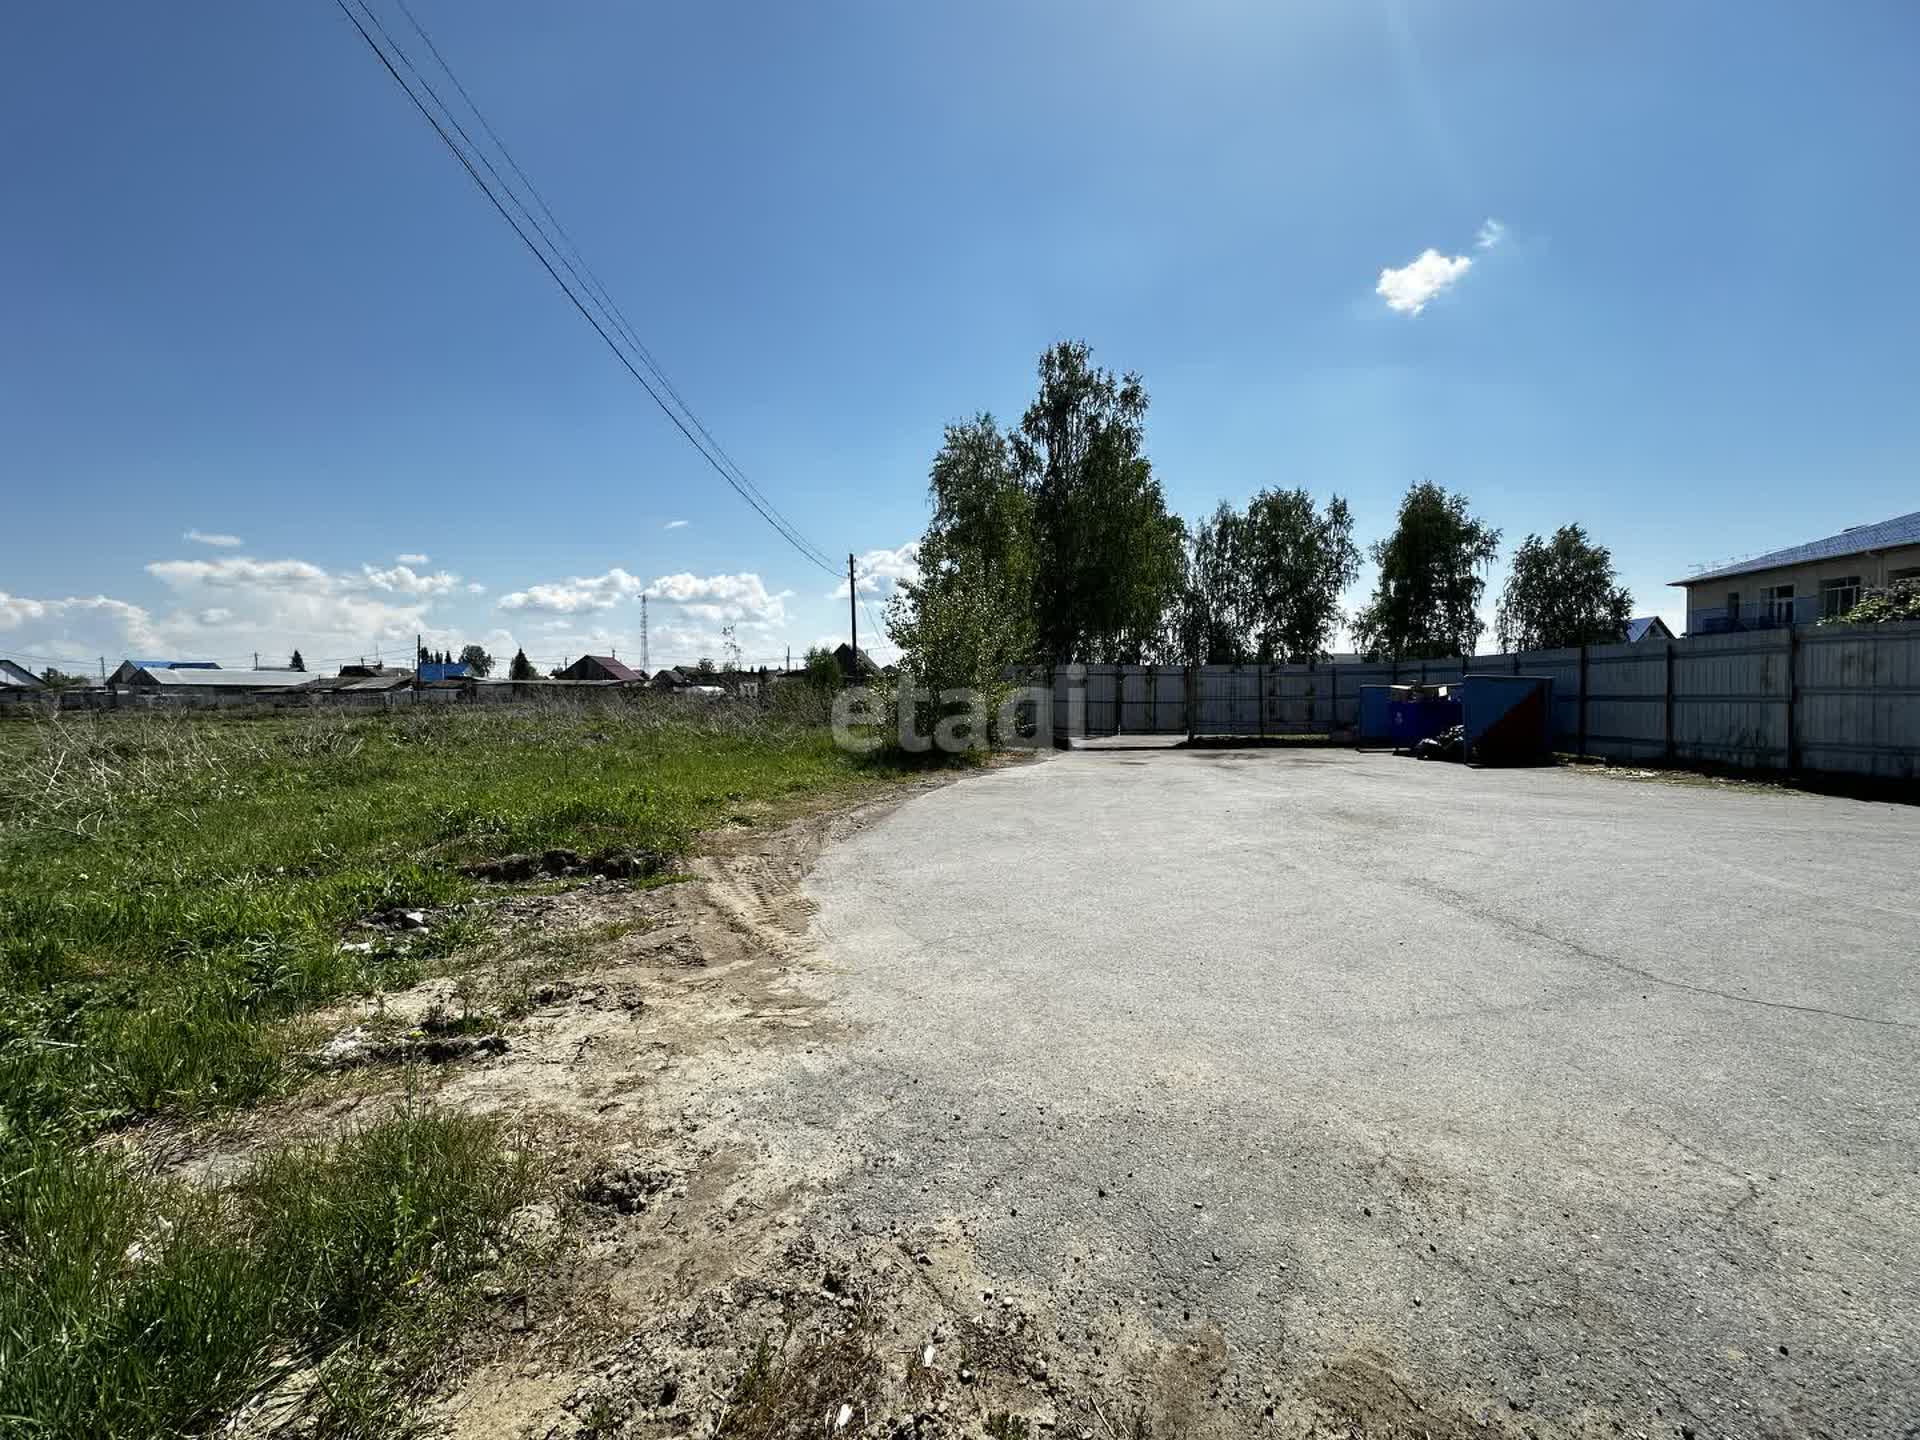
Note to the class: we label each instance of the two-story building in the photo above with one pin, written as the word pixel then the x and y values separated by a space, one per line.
pixel 1803 584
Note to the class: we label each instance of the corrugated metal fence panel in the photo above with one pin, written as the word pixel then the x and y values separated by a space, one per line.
pixel 1730 696
pixel 1858 688
pixel 1860 700
pixel 1627 701
pixel 1154 700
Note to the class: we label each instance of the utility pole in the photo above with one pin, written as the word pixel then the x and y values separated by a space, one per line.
pixel 646 663
pixel 853 619
pixel 416 663
pixel 256 659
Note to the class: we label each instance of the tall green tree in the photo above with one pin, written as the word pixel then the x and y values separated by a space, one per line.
pixel 1264 584
pixel 296 662
pixel 521 668
pixel 1109 559
pixel 477 661
pixel 1425 604
pixel 1217 603
pixel 1299 560
pixel 1562 592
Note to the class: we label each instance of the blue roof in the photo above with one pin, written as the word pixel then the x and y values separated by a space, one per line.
pixel 1901 530
pixel 1637 628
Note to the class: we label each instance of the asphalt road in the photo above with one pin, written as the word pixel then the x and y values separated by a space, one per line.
pixel 1577 1095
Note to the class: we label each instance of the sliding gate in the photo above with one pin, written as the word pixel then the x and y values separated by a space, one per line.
pixel 1252 700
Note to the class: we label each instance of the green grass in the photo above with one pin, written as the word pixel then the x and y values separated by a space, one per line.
pixel 136 1307
pixel 174 893
pixel 174 888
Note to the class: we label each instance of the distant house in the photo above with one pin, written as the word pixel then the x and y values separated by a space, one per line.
pixel 671 678
pixel 442 670
pixel 854 664
pixel 371 672
pixel 1647 627
pixel 18 677
pixel 1803 584
pixel 183 680
pixel 601 667
pixel 129 668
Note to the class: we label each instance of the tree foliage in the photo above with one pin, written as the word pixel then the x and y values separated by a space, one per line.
pixel 1898 601
pixel 296 662
pixel 1425 603
pixel 1562 592
pixel 477 661
pixel 1265 585
pixel 520 668
pixel 969 614
pixel 1109 559
pixel 823 671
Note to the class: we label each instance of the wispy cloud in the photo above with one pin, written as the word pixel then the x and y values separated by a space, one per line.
pixel 1491 233
pixel 202 537
pixel 1409 289
pixel 673 525
pixel 412 557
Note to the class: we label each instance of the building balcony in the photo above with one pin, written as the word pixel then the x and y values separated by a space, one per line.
pixel 1754 615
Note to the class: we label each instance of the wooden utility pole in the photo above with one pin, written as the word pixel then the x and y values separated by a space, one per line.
pixel 853 618
pixel 646 663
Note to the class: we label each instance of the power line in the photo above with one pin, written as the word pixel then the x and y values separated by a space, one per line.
pixel 742 487
pixel 576 264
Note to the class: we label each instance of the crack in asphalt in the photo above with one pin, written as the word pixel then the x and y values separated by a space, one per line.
pixel 1468 906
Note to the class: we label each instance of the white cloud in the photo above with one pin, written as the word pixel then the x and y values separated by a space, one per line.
pixel 1408 289
pixel 98 615
pixel 474 587
pixel 878 571
pixel 723 599
pixel 201 537
pixel 673 525
pixel 240 571
pixel 412 557
pixel 576 595
pixel 1491 233
pixel 402 580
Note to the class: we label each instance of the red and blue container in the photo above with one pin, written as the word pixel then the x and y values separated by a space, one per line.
pixel 1508 719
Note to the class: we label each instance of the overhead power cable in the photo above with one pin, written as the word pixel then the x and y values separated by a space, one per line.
pixel 506 202
pixel 564 246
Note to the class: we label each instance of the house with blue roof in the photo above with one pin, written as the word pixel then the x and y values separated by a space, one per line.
pixel 1647 627
pixel 1804 584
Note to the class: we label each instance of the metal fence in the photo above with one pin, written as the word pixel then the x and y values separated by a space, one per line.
pixel 1836 699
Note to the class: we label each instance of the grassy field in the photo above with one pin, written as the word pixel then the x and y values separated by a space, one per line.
pixel 174 895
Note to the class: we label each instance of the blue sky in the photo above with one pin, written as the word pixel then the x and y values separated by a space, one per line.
pixel 250 295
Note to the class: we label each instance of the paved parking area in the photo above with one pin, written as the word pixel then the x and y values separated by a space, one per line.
pixel 1543 1090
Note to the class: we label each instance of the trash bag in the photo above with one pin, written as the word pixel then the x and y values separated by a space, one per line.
pixel 1449 744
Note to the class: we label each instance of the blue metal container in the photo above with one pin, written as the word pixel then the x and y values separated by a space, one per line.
pixel 1376 712
pixel 1413 720
pixel 1508 718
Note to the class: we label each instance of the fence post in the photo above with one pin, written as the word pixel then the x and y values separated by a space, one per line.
pixel 1668 729
pixel 1190 686
pixel 1261 674
pixel 1793 697
pixel 1583 700
pixel 1333 699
